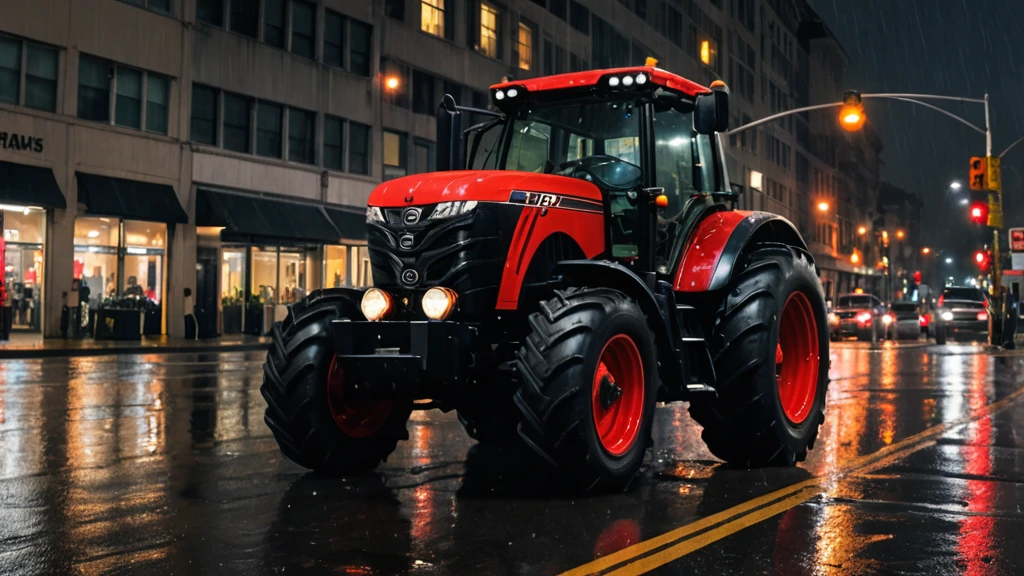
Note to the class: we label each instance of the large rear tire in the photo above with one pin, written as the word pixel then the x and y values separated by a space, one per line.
pixel 316 419
pixel 770 350
pixel 589 377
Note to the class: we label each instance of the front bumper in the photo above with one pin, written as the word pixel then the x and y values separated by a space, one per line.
pixel 404 358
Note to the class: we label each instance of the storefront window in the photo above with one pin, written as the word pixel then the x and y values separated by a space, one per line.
pixel 361 267
pixel 232 276
pixel 336 267
pixel 292 278
pixel 96 241
pixel 144 259
pixel 264 273
pixel 24 231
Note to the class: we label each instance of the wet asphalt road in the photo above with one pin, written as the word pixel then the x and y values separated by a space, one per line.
pixel 162 464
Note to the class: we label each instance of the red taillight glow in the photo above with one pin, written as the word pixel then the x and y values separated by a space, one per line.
pixel 924 321
pixel 941 298
pixel 982 316
pixel 864 317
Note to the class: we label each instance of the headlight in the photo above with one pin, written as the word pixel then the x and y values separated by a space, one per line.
pixel 832 318
pixel 449 209
pixel 947 316
pixel 864 317
pixel 887 319
pixel 438 303
pixel 373 214
pixel 613 81
pixel 376 304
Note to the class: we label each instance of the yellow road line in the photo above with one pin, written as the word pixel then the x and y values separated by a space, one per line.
pixel 753 511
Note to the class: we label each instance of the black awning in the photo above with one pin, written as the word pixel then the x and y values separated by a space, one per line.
pixel 30 186
pixel 106 196
pixel 351 225
pixel 264 218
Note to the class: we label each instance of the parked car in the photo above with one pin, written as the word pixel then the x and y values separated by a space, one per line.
pixel 854 315
pixel 905 320
pixel 963 314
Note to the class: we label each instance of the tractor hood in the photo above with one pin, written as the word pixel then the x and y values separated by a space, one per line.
pixel 478 185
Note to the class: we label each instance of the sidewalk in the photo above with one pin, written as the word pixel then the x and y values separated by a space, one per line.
pixel 34 346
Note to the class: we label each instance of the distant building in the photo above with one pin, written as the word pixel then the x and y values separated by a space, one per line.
pixel 229 146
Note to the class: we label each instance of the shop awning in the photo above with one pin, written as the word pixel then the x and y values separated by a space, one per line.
pixel 352 225
pixel 106 196
pixel 264 217
pixel 29 186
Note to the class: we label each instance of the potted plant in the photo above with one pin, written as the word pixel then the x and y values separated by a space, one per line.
pixel 231 310
pixel 254 315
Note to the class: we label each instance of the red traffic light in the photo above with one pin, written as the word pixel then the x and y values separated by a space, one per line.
pixel 917 277
pixel 979 212
pixel 983 259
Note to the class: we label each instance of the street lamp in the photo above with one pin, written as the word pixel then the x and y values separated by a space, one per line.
pixel 926 250
pixel 949 260
pixel 955 185
pixel 862 230
pixel 823 206
pixel 391 82
pixel 964 201
pixel 900 235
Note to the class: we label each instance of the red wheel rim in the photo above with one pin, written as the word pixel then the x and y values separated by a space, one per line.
pixel 797 358
pixel 617 397
pixel 357 418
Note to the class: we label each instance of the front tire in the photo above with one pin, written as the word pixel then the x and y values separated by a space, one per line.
pixel 770 350
pixel 317 421
pixel 589 377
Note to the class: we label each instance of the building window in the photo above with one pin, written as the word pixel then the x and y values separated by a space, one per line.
pixel 423 151
pixel 432 17
pixel 237 123
pixel 579 17
pixel 274 17
pixel 360 34
pixel 93 89
pixel 557 7
pixel 334 39
pixel 490 31
pixel 303 29
pixel 211 12
pixel 39 79
pixel 128 105
pixel 157 96
pixel 245 17
pixel 525 46
pixel 334 138
pixel 301 136
pixel 395 9
pixel 204 115
pixel 423 101
pixel 157 5
pixel 358 148
pixel 394 155
pixel 268 130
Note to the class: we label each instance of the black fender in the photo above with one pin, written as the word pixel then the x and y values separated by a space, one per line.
pixel 757 228
pixel 658 307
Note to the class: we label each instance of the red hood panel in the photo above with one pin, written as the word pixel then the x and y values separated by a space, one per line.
pixel 479 185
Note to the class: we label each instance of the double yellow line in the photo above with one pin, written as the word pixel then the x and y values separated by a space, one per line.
pixel 660 550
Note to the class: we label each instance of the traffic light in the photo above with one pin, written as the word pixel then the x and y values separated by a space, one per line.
pixel 979 212
pixel 917 277
pixel 983 258
pixel 851 115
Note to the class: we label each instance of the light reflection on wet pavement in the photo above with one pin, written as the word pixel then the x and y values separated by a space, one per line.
pixel 162 464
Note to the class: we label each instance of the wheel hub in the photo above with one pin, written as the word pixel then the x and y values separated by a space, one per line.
pixel 610 393
pixel 617 398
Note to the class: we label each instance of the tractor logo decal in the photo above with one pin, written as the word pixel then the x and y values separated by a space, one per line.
pixel 547 200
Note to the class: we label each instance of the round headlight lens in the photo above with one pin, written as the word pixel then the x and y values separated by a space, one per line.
pixel 947 316
pixel 376 304
pixel 499 95
pixel 512 92
pixel 627 80
pixel 613 81
pixel 641 79
pixel 438 303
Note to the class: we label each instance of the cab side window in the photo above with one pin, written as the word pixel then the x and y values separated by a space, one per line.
pixel 677 151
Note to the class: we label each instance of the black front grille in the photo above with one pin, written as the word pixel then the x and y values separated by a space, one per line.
pixel 411 252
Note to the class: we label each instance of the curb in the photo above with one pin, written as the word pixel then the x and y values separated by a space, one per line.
pixel 128 351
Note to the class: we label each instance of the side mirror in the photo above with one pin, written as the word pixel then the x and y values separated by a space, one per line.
pixel 449 135
pixel 711 113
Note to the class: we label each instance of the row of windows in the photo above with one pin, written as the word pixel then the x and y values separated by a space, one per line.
pixel 28 74
pixel 244 124
pixel 157 5
pixel 292 25
pixel 743 10
pixel 777 151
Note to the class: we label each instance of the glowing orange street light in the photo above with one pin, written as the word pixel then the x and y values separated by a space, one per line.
pixel 862 230
pixel 391 83
pixel 900 235
pixel 823 206
pixel 855 258
pixel 851 115
pixel 926 250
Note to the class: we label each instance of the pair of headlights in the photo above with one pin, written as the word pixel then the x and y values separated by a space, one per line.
pixel 438 303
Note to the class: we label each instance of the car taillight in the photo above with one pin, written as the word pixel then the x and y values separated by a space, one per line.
pixel 982 316
pixel 941 298
pixel 924 321
pixel 986 302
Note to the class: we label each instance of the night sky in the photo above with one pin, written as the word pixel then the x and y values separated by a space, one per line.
pixel 949 47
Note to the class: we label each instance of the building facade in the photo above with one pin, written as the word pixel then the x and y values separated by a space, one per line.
pixel 228 146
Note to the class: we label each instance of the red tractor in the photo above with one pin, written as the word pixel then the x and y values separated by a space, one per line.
pixel 574 260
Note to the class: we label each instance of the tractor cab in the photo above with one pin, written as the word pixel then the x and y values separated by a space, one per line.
pixel 647 139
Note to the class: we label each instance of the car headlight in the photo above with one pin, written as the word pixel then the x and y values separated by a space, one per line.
pixel 832 318
pixel 947 316
pixel 376 304
pixel 864 317
pixel 373 214
pixel 449 209
pixel 438 303
pixel 887 319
